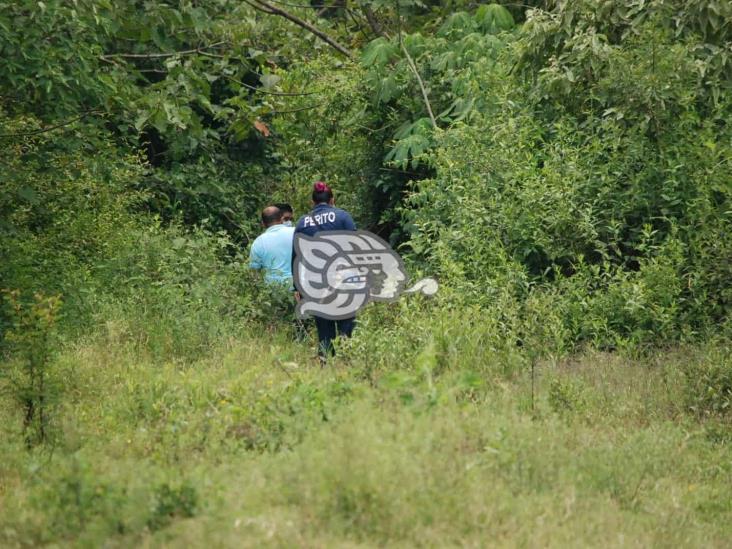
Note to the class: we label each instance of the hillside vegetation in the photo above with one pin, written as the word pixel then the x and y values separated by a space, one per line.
pixel 563 169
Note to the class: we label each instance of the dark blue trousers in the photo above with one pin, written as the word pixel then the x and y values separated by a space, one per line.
pixel 327 332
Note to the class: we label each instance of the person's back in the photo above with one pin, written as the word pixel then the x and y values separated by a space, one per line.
pixel 272 250
pixel 326 217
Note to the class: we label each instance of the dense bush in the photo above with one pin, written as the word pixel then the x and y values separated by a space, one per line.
pixel 174 293
pixel 708 384
pixel 66 204
pixel 612 190
pixel 561 167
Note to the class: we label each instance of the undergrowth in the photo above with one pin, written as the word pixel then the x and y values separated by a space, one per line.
pixel 411 436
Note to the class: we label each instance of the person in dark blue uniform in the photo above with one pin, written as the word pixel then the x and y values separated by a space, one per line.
pixel 326 217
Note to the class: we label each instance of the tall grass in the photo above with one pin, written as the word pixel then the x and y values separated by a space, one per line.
pixel 433 443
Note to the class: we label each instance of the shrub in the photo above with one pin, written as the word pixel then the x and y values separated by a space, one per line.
pixel 566 396
pixel 175 293
pixel 708 384
pixel 30 382
pixel 170 502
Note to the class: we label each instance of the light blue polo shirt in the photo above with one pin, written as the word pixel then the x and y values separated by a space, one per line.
pixel 272 251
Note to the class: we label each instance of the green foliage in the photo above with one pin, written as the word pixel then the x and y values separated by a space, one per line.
pixel 185 84
pixel 708 385
pixel 573 201
pixel 173 293
pixel 493 18
pixel 462 42
pixel 78 499
pixel 172 502
pixel 604 192
pixel 278 420
pixel 253 441
pixel 51 61
pixel 331 136
pixel 66 207
pixel 571 44
pixel 29 378
pixel 566 396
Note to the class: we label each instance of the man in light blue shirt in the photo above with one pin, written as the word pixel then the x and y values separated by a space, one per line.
pixel 272 250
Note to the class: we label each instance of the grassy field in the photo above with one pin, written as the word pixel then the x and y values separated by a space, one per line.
pixel 255 445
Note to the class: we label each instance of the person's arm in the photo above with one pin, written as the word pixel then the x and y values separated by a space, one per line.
pixel 298 229
pixel 255 257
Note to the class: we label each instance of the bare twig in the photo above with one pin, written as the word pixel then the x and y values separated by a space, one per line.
pixel 298 110
pixel 260 90
pixel 50 128
pixel 201 50
pixel 356 20
pixel 282 367
pixel 242 229
pixel 295 5
pixel 266 7
pixel 209 54
pixel 412 66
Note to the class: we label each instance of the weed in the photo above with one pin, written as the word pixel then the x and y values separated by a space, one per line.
pixel 170 502
pixel 31 336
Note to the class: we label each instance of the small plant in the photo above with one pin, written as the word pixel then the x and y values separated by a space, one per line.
pixel 708 387
pixel 171 502
pixel 31 337
pixel 566 396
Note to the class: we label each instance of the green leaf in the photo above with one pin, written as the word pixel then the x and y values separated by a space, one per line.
pixel 494 18
pixel 378 53
pixel 141 120
pixel 387 89
pixel 269 80
pixel 458 23
pixel 28 194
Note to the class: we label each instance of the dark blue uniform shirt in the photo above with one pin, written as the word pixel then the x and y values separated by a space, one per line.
pixel 325 217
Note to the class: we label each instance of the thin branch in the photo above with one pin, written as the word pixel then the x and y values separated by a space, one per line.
pixel 421 84
pixel 200 49
pixel 259 90
pixel 294 5
pixel 266 7
pixel 50 128
pixel 298 110
pixel 373 21
pixel 282 367
pixel 412 66
pixel 242 229
pixel 209 54
pixel 356 20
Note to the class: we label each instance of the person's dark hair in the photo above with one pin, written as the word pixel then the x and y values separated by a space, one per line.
pixel 321 192
pixel 283 207
pixel 270 215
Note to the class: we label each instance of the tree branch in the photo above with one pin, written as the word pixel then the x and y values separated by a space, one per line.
pixel 373 21
pixel 295 5
pixel 50 128
pixel 266 7
pixel 298 110
pixel 110 56
pixel 260 90
pixel 412 66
